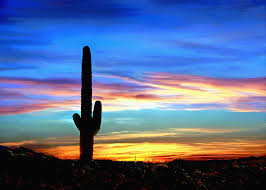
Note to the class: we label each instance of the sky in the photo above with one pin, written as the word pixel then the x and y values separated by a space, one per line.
pixel 177 79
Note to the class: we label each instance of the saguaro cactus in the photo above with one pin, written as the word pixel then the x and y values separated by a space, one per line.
pixel 88 126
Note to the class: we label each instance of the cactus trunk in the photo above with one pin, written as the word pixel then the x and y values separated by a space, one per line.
pixel 86 139
pixel 86 146
pixel 87 125
pixel 86 88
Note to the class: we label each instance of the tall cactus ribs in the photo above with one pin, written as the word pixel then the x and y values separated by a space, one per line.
pixel 88 125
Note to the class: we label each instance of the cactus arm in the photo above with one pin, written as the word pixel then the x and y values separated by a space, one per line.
pixel 97 116
pixel 77 120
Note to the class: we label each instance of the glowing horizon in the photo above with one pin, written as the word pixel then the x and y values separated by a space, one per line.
pixel 153 152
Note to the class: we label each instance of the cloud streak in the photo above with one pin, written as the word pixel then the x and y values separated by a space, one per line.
pixel 228 4
pixel 211 49
pixel 153 90
pixel 65 9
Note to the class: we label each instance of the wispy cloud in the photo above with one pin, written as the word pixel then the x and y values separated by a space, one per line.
pixel 229 4
pixel 66 9
pixel 206 130
pixel 193 92
pixel 224 53
pixel 153 90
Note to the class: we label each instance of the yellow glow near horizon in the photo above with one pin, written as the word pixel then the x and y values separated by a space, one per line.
pixel 157 145
pixel 163 151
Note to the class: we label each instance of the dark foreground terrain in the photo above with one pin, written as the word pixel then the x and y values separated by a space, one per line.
pixel 21 168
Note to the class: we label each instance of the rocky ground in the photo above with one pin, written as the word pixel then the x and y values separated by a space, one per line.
pixel 21 168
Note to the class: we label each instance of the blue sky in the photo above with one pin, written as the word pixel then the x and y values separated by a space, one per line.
pixel 158 66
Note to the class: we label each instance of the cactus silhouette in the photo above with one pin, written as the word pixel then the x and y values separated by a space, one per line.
pixel 88 125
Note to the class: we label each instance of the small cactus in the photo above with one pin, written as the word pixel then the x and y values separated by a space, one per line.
pixel 88 126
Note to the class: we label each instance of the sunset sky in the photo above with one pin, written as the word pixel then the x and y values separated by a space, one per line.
pixel 177 79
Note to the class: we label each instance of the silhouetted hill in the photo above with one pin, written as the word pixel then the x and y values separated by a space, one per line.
pixel 22 168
